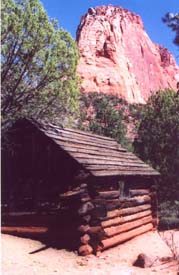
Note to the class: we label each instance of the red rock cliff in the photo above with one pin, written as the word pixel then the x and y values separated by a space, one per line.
pixel 118 57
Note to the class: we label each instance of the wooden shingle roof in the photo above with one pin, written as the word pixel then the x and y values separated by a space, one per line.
pixel 101 156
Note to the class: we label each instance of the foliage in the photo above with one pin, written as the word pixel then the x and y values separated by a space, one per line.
pixel 172 21
pixel 38 63
pixel 158 140
pixel 169 215
pixel 105 115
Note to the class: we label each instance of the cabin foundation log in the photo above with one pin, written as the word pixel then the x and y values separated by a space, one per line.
pixel 110 242
pixel 85 250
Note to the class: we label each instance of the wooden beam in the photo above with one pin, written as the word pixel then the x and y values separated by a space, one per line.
pixel 109 161
pixel 127 202
pixel 136 200
pixel 141 172
pixel 126 236
pixel 138 192
pixel 109 194
pixel 127 211
pixel 120 220
pixel 114 230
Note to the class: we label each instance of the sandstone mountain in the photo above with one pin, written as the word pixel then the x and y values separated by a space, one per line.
pixel 118 57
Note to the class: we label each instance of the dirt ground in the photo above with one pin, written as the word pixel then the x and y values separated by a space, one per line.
pixel 22 256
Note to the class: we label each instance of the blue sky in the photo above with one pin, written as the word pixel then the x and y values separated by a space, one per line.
pixel 69 12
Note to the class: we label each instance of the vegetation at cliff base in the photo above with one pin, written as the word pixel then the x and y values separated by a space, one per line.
pixel 157 142
pixel 105 115
pixel 38 76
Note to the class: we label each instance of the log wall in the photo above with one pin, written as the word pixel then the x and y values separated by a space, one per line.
pixel 105 219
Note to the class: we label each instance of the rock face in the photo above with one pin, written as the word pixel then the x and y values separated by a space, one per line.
pixel 118 57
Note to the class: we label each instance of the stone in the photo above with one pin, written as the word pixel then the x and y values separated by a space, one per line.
pixel 145 261
pixel 119 58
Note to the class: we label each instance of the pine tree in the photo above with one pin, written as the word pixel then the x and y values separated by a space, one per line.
pixel 38 76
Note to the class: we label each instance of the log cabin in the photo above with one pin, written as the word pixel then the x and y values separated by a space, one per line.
pixel 101 194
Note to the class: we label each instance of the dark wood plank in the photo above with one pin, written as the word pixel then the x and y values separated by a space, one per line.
pixel 109 194
pixel 65 133
pixel 141 172
pixel 59 139
pixel 113 158
pixel 138 192
pixel 90 134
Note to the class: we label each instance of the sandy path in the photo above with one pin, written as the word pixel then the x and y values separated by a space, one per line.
pixel 16 259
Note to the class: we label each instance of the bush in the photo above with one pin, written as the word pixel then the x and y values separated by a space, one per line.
pixel 169 215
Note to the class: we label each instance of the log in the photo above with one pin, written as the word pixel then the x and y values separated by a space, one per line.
pixel 85 208
pixel 92 230
pixel 114 230
pixel 136 200
pixel 83 186
pixel 127 202
pixel 85 250
pixel 70 195
pixel 109 194
pixel 83 228
pixel 126 236
pixel 113 204
pixel 138 192
pixel 127 211
pixel 85 239
pixel 86 218
pixel 85 199
pixel 120 220
pixel 97 233
pixel 99 210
